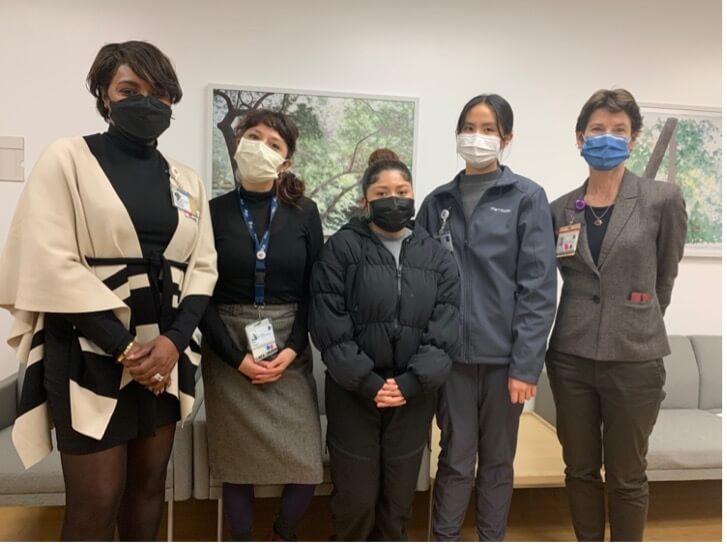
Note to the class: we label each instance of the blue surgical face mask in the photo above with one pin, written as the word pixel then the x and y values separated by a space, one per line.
pixel 605 152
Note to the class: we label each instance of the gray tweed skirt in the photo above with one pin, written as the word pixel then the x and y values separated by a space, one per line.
pixel 262 434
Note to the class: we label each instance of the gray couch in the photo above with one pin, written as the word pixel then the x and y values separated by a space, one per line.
pixel 42 484
pixel 686 443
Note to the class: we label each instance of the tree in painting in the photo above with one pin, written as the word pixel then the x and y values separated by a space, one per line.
pixel 694 161
pixel 337 134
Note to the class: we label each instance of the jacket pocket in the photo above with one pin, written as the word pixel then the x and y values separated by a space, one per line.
pixel 641 323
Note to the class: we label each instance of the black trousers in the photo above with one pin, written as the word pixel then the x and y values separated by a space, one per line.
pixel 479 428
pixel 375 459
pixel 605 412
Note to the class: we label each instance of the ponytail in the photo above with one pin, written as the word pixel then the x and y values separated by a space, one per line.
pixel 290 188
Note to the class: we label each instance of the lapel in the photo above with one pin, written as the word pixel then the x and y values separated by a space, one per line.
pixel 623 208
pixel 92 181
pixel 575 216
pixel 181 244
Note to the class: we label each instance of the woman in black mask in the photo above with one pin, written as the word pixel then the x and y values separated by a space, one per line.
pixel 384 314
pixel 116 269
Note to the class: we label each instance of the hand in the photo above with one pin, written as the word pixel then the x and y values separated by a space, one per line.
pixel 258 371
pixel 159 356
pixel 389 396
pixel 520 392
pixel 276 366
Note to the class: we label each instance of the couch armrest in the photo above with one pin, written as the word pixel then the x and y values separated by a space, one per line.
pixel 8 400
pixel 200 458
pixel 708 353
pixel 182 457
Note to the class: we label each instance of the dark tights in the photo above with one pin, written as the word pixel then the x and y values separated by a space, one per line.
pixel 123 486
pixel 238 501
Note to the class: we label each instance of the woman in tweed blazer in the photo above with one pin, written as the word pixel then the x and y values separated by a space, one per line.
pixel 604 361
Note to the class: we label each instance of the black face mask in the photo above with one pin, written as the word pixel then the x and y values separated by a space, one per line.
pixel 391 213
pixel 144 118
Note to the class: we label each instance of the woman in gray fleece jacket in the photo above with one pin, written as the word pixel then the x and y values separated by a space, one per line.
pixel 498 226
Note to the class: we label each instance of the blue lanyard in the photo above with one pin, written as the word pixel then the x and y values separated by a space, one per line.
pixel 261 247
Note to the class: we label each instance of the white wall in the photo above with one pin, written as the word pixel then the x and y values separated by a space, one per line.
pixel 546 58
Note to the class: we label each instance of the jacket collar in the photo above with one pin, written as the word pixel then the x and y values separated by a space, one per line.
pixel 507 178
pixel 629 189
pixel 623 208
pixel 361 226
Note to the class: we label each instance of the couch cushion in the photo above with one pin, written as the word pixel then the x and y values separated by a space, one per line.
pixel 686 439
pixel 682 375
pixel 708 350
pixel 44 477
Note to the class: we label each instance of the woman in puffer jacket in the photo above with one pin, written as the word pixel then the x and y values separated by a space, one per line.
pixel 385 316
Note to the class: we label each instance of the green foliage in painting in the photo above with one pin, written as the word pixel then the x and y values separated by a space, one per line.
pixel 698 171
pixel 337 134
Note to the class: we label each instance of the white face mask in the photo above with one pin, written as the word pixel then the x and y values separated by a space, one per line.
pixel 257 163
pixel 478 150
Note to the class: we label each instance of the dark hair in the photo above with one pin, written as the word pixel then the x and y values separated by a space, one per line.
pixel 289 187
pixel 145 59
pixel 500 108
pixel 380 160
pixel 615 100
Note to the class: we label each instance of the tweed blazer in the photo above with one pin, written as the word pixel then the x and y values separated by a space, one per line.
pixel 641 250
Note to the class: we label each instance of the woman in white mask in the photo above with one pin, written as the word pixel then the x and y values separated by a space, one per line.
pixel 497 224
pixel 260 395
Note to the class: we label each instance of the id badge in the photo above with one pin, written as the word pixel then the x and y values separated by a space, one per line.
pixel 185 202
pixel 567 240
pixel 446 240
pixel 261 339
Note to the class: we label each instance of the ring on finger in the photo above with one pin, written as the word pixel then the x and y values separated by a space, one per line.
pixel 158 377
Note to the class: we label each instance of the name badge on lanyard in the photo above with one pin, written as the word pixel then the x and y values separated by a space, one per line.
pixel 260 334
pixel 567 240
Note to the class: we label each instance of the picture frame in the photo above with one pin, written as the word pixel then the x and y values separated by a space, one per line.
pixel 338 131
pixel 683 144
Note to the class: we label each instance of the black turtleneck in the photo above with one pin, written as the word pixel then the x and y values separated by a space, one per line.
pixel 140 176
pixel 296 238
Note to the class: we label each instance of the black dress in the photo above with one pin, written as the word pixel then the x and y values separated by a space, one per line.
pixel 140 176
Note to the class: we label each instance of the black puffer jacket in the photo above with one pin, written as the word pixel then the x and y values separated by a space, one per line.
pixel 372 322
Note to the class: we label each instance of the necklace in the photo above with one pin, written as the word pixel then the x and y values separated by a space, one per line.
pixel 599 219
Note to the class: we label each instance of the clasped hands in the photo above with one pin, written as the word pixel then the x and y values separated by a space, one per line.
pixel 389 396
pixel 266 371
pixel 151 364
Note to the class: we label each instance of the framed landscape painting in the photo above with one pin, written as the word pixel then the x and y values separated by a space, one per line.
pixel 338 131
pixel 683 144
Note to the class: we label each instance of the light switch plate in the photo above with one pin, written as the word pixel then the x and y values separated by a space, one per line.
pixel 11 159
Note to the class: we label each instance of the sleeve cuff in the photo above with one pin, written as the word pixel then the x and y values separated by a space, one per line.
pixel 178 339
pixel 235 359
pixel 526 377
pixel 298 345
pixel 409 385
pixel 371 385
pixel 122 345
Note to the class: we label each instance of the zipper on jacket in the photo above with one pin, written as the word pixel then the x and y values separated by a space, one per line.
pixel 466 334
pixel 397 322
pixel 467 284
